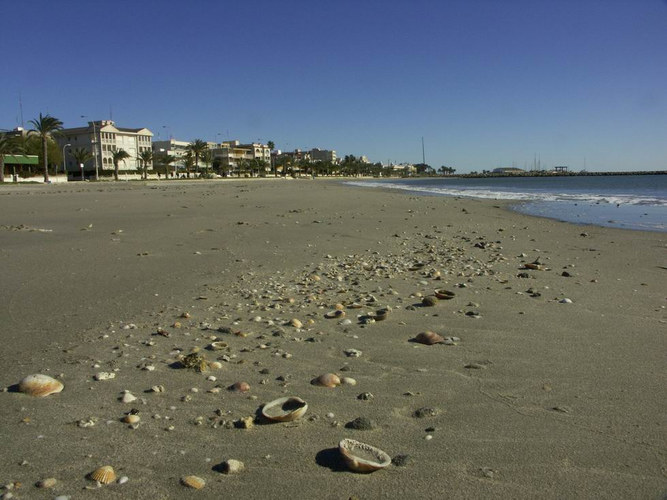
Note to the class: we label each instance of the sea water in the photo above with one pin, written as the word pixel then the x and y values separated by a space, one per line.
pixel 622 201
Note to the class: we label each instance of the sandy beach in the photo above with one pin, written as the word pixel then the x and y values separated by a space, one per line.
pixel 550 384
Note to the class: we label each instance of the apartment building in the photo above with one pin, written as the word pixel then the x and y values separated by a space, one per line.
pixel 317 154
pixel 174 148
pixel 102 138
pixel 230 154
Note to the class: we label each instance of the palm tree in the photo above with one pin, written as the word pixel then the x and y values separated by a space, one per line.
pixel 207 159
pixel 271 145
pixel 45 126
pixel 164 160
pixel 81 156
pixel 188 161
pixel 145 157
pixel 197 147
pixel 117 157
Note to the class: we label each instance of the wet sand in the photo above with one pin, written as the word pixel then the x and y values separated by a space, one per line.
pixel 538 397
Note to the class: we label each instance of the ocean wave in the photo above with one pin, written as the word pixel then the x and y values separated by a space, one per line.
pixel 515 195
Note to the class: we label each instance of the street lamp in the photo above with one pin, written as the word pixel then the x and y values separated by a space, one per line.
pixel 94 148
pixel 64 162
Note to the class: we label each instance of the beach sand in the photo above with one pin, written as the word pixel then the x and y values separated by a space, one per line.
pixel 538 398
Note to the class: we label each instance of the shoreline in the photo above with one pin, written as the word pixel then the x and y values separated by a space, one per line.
pixel 538 397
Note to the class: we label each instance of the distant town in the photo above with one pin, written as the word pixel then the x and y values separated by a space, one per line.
pixel 103 150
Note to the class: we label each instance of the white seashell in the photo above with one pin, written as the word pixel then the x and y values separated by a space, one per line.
pixel 361 457
pixel 565 301
pixel 296 323
pixel 103 475
pixel 193 482
pixel 123 480
pixel 40 385
pixel 218 345
pixel 232 466
pixel 49 482
pixel 105 376
pixel 215 365
pixel 128 397
pixel 157 388
pixel 348 381
pixel 285 409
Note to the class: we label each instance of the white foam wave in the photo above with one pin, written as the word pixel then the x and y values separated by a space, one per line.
pixel 477 192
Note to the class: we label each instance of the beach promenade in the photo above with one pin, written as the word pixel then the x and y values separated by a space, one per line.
pixel 550 382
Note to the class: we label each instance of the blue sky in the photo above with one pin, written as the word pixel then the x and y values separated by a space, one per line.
pixel 486 83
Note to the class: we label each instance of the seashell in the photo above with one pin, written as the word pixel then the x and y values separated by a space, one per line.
pixel 215 365
pixel 104 376
pixel 131 419
pixel 326 380
pixel 232 466
pixel 429 301
pixel 185 315
pixel 348 381
pixel 355 305
pixel 103 475
pixel 49 482
pixel 40 385
pixel 339 307
pixel 362 457
pixel 240 387
pixel 444 294
pixel 285 409
pixel 194 482
pixel 218 346
pixel 429 338
pixel 128 397
pixel 296 323
pixel 336 313
pixel 381 314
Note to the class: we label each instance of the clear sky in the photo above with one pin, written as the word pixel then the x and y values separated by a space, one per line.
pixel 485 83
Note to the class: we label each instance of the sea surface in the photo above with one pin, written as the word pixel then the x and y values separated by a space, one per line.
pixel 622 201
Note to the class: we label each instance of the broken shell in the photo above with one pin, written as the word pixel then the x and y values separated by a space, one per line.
pixel 285 409
pixel 103 475
pixel 361 457
pixel 104 376
pixel 193 482
pixel 326 380
pixel 444 294
pixel 429 338
pixel 40 385
pixel 218 346
pixel 128 397
pixel 429 301
pixel 336 313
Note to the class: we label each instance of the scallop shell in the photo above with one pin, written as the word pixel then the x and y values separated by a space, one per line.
pixel 444 294
pixel 103 475
pixel 326 380
pixel 362 457
pixel 194 482
pixel 240 387
pixel 40 385
pixel 429 338
pixel 336 313
pixel 285 409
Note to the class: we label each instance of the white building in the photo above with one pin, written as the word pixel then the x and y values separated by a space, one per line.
pixel 230 153
pixel 174 148
pixel 102 138
pixel 317 154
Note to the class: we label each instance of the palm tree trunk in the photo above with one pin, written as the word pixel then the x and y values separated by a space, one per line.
pixel 2 168
pixel 46 160
pixel 115 171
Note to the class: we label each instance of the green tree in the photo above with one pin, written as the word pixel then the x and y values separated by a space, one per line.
pixel 81 156
pixel 145 159
pixel 8 146
pixel 188 161
pixel 44 127
pixel 197 147
pixel 164 160
pixel 116 158
pixel 207 159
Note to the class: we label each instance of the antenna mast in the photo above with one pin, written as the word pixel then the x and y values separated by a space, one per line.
pixel 423 153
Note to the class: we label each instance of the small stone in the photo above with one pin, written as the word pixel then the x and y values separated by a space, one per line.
pixel 128 397
pixel 365 396
pixel 352 353
pixel 565 301
pixel 401 460
pixel 232 466
pixel 425 412
pixel 361 424
pixel 49 482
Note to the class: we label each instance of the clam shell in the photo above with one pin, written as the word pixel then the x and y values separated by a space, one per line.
pixel 285 409
pixel 326 380
pixel 194 482
pixel 362 457
pixel 103 475
pixel 131 419
pixel 240 387
pixel 336 313
pixel 40 385
pixel 429 338
pixel 444 294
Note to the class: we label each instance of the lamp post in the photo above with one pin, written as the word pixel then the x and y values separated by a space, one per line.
pixel 64 162
pixel 94 148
